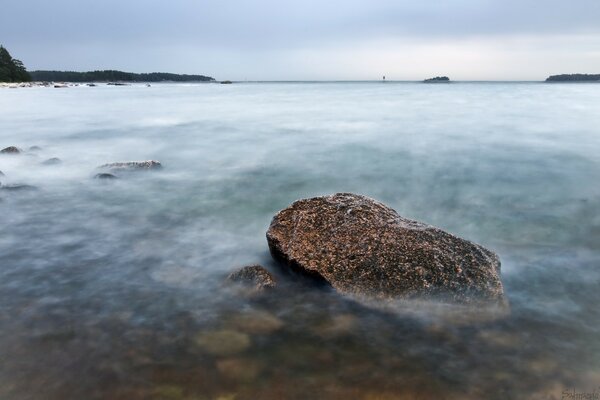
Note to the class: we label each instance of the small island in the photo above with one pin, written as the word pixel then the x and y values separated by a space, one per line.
pixel 574 78
pixel 437 79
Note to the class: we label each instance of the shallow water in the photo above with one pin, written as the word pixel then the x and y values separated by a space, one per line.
pixel 112 290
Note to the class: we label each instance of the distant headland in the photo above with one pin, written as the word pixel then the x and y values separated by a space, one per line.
pixel 114 76
pixel 437 79
pixel 574 78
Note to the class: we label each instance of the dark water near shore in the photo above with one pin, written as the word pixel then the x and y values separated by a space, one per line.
pixel 112 290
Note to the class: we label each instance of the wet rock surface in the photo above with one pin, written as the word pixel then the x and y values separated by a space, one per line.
pixel 10 150
pixel 363 248
pixel 254 277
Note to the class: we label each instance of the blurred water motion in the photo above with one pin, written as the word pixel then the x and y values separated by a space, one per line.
pixel 112 289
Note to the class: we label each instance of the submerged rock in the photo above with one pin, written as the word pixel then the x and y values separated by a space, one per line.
pixel 2 173
pixel 10 150
pixel 17 187
pixel 35 148
pixel 254 277
pixel 52 161
pixel 255 322
pixel 133 165
pixel 222 342
pixel 105 176
pixel 363 248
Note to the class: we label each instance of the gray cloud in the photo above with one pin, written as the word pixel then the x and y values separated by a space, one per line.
pixel 40 30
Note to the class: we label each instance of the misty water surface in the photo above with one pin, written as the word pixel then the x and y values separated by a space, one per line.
pixel 113 289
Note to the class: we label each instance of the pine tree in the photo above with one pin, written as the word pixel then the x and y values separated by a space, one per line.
pixel 12 70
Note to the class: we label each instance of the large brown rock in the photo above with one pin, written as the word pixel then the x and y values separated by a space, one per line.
pixel 365 249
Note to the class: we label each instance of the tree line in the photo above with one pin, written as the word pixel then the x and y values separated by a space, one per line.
pixel 114 76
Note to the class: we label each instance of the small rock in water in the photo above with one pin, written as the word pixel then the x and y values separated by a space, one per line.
pixel 105 176
pixel 255 277
pixel 52 161
pixel 35 148
pixel 17 187
pixel 224 342
pixel 365 249
pixel 133 165
pixel 10 150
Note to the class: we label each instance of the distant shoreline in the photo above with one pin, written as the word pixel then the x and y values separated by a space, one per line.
pixel 114 76
pixel 574 78
pixel 66 83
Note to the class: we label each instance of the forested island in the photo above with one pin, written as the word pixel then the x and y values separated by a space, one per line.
pixel 437 79
pixel 114 76
pixel 574 78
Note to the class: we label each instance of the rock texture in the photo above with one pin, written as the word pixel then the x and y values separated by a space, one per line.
pixel 255 277
pixel 364 248
pixel 10 150
pixel 133 165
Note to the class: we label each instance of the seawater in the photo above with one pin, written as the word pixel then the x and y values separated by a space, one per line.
pixel 113 290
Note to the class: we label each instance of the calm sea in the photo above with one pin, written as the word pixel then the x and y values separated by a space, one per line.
pixel 113 290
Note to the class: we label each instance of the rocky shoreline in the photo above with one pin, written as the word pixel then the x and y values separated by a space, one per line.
pixel 358 246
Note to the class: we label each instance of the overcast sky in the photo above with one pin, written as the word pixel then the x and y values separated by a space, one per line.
pixel 308 39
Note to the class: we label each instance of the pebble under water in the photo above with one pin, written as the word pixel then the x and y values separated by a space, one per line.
pixel 113 288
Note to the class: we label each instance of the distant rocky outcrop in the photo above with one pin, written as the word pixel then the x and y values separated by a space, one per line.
pixel 437 79
pixel 254 277
pixel 132 165
pixel 574 78
pixel 226 82
pixel 365 249
pixel 10 150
